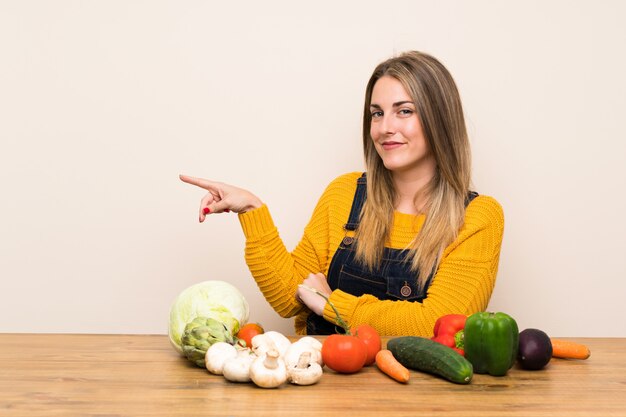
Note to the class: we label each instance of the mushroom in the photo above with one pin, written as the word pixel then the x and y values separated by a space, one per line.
pixel 217 355
pixel 306 371
pixel 237 369
pixel 268 371
pixel 304 344
pixel 262 343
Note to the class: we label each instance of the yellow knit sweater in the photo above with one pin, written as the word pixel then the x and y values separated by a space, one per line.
pixel 462 284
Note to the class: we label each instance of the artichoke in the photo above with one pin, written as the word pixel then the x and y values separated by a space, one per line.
pixel 200 334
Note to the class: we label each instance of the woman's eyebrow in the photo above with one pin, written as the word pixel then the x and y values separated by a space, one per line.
pixel 398 104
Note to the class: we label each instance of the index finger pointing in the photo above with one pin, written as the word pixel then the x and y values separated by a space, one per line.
pixel 199 182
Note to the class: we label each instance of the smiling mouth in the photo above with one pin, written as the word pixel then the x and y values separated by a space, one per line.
pixel 391 145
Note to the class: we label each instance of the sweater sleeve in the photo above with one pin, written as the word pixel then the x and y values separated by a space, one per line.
pixel 462 284
pixel 277 271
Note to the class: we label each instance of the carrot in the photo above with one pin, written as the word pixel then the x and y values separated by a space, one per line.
pixel 390 366
pixel 569 350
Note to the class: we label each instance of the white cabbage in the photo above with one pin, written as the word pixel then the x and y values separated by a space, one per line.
pixel 211 299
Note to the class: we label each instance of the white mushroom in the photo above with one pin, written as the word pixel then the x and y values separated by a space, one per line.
pixel 306 371
pixel 217 355
pixel 311 341
pixel 305 344
pixel 238 369
pixel 268 371
pixel 262 343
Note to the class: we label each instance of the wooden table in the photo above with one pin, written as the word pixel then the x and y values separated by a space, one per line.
pixel 133 375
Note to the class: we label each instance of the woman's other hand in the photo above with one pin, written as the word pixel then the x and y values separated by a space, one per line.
pixel 222 197
pixel 313 301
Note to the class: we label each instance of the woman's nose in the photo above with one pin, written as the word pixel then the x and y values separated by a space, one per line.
pixel 387 125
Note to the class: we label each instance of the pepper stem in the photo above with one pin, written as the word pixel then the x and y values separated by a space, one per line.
pixel 340 320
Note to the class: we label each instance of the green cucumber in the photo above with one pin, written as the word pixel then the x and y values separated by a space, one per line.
pixel 425 355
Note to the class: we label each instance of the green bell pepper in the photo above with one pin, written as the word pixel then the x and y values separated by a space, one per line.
pixel 491 342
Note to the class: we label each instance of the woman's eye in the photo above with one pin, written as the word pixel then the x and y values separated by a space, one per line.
pixel 406 112
pixel 376 114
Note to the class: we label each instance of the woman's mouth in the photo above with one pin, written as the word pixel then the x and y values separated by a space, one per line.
pixel 390 145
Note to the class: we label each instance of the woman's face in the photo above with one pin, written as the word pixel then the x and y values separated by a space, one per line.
pixel 397 131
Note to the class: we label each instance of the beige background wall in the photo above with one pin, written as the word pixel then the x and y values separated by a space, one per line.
pixel 104 103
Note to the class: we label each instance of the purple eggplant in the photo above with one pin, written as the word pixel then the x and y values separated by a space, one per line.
pixel 535 349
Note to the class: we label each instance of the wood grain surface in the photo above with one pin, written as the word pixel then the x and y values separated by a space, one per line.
pixel 142 375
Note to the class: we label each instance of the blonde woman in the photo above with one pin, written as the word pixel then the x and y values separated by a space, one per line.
pixel 395 247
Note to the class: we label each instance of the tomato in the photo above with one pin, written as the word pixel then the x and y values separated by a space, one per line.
pixel 344 353
pixel 372 341
pixel 248 331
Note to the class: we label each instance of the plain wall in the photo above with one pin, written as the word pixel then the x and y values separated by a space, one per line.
pixel 104 103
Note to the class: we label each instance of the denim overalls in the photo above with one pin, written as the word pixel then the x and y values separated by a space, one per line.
pixel 391 280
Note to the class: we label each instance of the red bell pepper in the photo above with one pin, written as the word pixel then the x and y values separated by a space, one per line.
pixel 449 331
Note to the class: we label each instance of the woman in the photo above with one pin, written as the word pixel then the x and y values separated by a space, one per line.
pixel 397 247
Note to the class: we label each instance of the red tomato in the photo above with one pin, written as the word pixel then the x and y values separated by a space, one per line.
pixel 372 341
pixel 248 331
pixel 343 353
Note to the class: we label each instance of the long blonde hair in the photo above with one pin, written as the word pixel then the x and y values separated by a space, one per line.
pixel 439 109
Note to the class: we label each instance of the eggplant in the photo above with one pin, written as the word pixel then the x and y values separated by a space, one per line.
pixel 535 349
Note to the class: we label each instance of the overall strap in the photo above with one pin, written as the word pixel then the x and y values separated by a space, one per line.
pixel 470 196
pixel 357 203
pixel 361 195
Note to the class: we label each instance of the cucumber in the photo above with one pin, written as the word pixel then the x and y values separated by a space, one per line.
pixel 426 355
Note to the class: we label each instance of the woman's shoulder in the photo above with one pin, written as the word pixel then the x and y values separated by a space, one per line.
pixel 340 190
pixel 345 181
pixel 338 195
pixel 484 209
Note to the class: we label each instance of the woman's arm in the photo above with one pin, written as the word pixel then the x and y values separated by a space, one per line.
pixel 276 271
pixel 279 272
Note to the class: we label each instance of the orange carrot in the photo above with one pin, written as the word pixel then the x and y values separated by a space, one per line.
pixel 569 350
pixel 390 366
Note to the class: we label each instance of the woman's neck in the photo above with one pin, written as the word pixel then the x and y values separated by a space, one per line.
pixel 410 195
